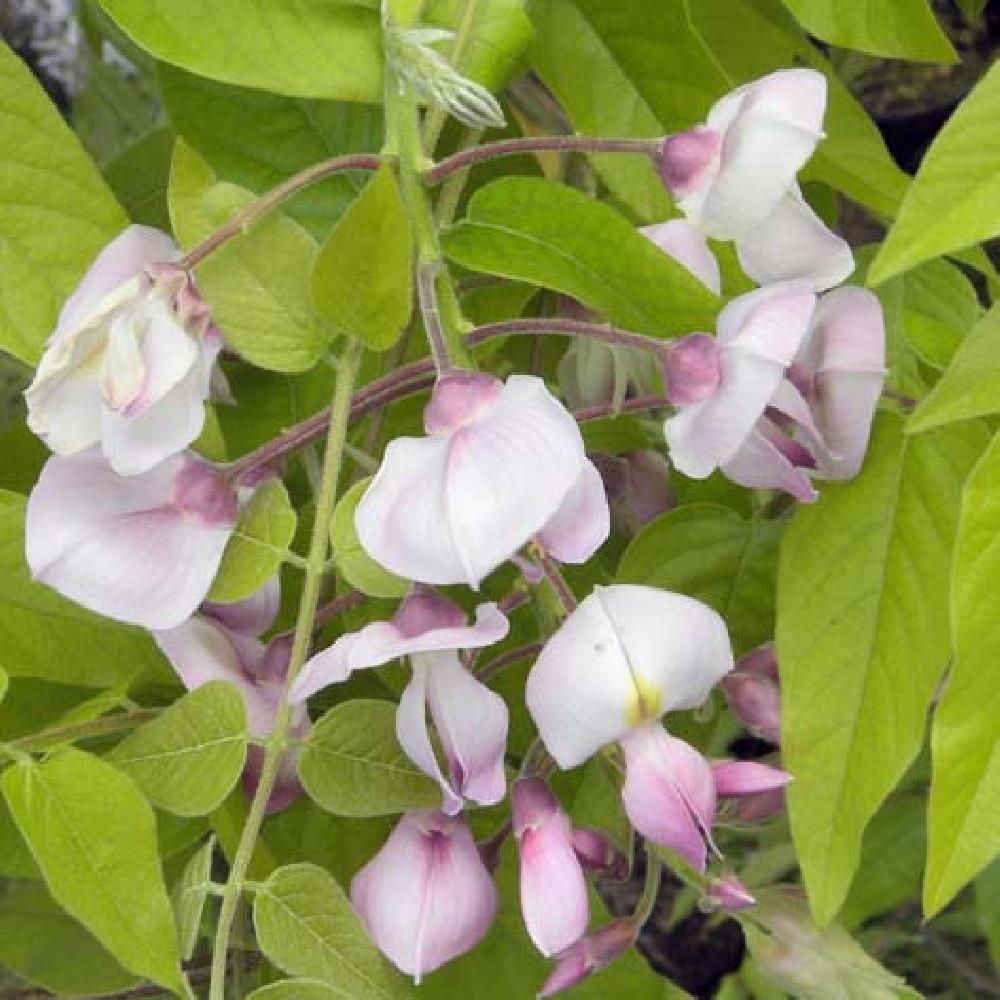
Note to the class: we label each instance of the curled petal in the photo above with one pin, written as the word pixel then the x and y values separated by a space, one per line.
pixel 253 615
pixel 582 523
pixel 739 778
pixel 763 462
pixel 688 246
pixel 625 656
pixel 426 897
pixel 729 893
pixel 590 954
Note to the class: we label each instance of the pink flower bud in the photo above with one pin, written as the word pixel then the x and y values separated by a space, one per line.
pixel 131 360
pixel 692 369
pixel 458 400
pixel 688 160
pixel 590 954
pixel 598 854
pixel 753 694
pixel 650 493
pixel 757 788
pixel 728 893
pixel 142 549
pixel 426 897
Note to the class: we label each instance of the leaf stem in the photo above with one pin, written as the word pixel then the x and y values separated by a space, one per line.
pixel 339 415
pixel 556 580
pixel 244 219
pixel 534 144
pixel 82 730
pixel 567 327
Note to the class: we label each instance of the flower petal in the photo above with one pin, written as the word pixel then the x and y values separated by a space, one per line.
pixel 253 615
pixel 583 522
pixel 760 464
pixel 688 246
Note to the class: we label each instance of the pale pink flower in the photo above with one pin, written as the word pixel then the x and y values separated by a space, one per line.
pixel 753 694
pixel 593 952
pixel 426 897
pixel 756 789
pixel 131 360
pixel 142 549
pixel 727 892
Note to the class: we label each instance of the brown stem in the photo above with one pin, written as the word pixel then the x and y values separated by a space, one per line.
pixel 489 670
pixel 557 581
pixel 566 327
pixel 613 409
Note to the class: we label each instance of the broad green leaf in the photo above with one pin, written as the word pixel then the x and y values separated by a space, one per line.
pixel 862 639
pixel 355 565
pixel 4 683
pixel 306 48
pixel 44 635
pixel 24 455
pixel 15 858
pixel 988 908
pixel 963 825
pixel 353 765
pixel 554 236
pixel 93 836
pixel 227 823
pixel 370 248
pixel 140 177
pixel 940 307
pixel 265 529
pixel 40 943
pixel 297 989
pixel 190 895
pixel 895 29
pixel 971 385
pixel 257 139
pixel 305 926
pixel 954 201
pixel 56 212
pixel 188 759
pixel 712 553
pixel 258 283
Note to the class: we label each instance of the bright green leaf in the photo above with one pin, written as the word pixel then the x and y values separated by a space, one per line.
pixel 190 895
pixel 306 48
pixel 554 236
pixel 188 759
pixel 258 283
pixel 355 565
pixel 15 858
pixel 55 211
pixel 4 683
pixel 954 201
pixel 714 554
pixel 940 307
pixel 862 639
pixel 265 529
pixel 895 29
pixel 370 248
pixel 353 765
pixel 42 944
pixel 964 811
pixel 93 836
pixel 44 635
pixel 297 989
pixel 306 926
pixel 988 908
pixel 971 385
pixel 140 177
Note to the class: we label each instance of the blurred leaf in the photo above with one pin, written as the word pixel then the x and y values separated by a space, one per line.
pixel 189 897
pixel 188 759
pixel 353 765
pixel 964 811
pixel 140 177
pixel 258 283
pixel 296 989
pixel 554 236
pixel 940 307
pixel 988 908
pixel 264 531
pixel 305 925
pixel 92 834
pixel 55 211
pixel 370 248
pixel 954 201
pixel 862 638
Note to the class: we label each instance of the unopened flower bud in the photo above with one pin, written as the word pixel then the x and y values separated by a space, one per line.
pixel 753 694
pixel 593 952
pixel 598 854
pixel 757 789
pixel 692 369
pixel 728 893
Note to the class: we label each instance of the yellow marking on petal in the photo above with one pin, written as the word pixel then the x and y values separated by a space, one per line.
pixel 646 704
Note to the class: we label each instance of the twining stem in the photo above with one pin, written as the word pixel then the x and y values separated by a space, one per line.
pixel 346 373
pixel 536 144
pixel 650 889
pixel 567 327
pixel 556 580
pixel 489 670
pixel 243 220
pixel 81 730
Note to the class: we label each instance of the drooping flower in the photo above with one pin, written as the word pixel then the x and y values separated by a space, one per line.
pixel 221 644
pixel 623 658
pixel 552 885
pixel 142 549
pixel 591 953
pixel 470 719
pixel 131 360
pixel 501 463
pixel 426 897
pixel 753 694
pixel 735 179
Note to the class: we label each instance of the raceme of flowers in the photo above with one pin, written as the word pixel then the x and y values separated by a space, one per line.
pixel 127 521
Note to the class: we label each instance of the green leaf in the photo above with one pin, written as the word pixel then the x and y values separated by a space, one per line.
pixel 971 385
pixel 940 307
pixel 355 565
pixel 265 529
pixel 15 858
pixel 55 211
pixel 895 29
pixel 306 48
pixel 140 177
pixel 297 989
pixel 93 836
pixel 716 555
pixel 954 201
pixel 554 236
pixel 44 635
pixel 964 811
pixel 305 926
pixel 4 683
pixel 257 139
pixel 988 908
pixel 862 639
pixel 189 758
pixel 370 248
pixel 40 943
pixel 258 283
pixel 190 895
pixel 353 765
